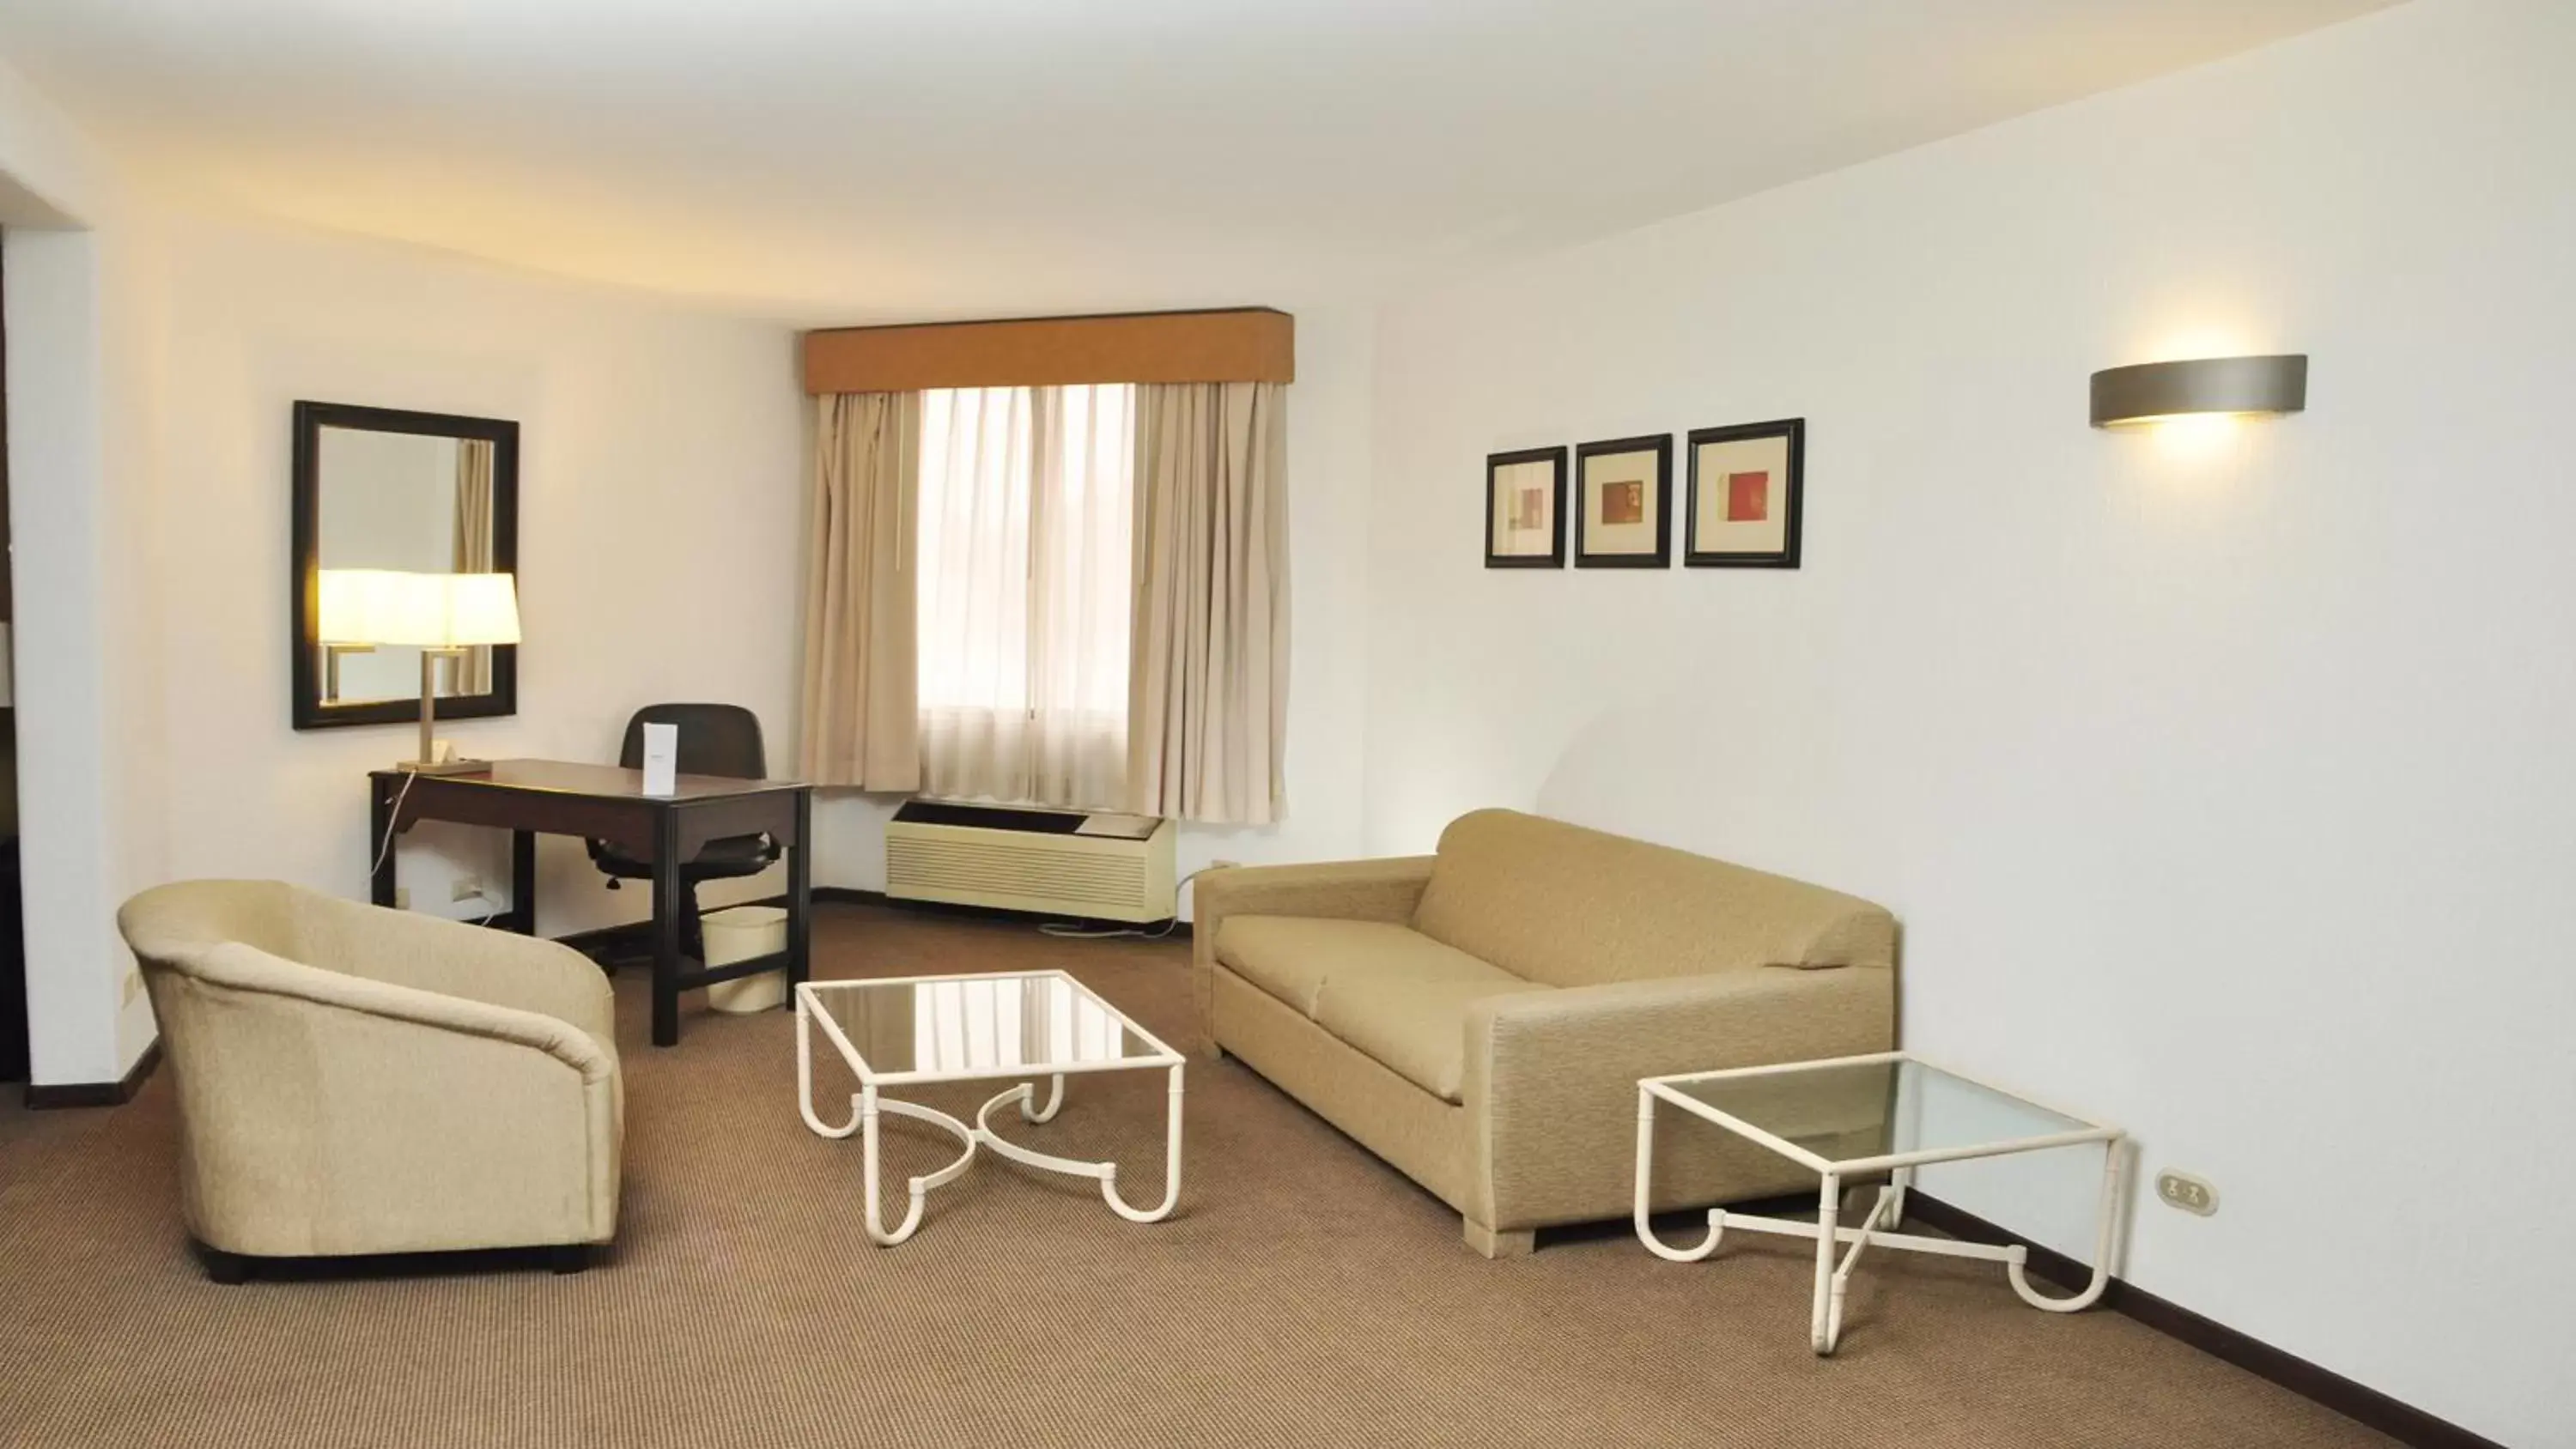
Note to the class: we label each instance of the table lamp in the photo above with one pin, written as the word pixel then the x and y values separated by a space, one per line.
pixel 440 614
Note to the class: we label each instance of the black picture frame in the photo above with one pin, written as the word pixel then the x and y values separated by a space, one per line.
pixel 1794 432
pixel 304 566
pixel 1495 463
pixel 1661 445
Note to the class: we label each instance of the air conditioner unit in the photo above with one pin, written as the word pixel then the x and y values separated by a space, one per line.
pixel 1099 865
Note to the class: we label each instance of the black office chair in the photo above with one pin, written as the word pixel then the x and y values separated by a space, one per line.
pixel 715 739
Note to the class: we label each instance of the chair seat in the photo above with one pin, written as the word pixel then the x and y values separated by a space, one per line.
pixel 732 855
pixel 1387 990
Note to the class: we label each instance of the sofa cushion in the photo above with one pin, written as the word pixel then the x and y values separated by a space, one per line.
pixel 1560 904
pixel 1293 957
pixel 1386 990
pixel 1415 1026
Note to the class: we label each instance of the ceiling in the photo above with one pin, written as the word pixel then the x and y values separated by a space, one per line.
pixel 852 160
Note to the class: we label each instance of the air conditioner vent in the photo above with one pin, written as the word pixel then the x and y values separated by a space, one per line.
pixel 1102 866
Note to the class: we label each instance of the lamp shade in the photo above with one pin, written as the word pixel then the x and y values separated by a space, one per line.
pixel 433 611
pixel 481 608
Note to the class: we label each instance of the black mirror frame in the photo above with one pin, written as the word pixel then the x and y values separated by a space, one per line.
pixel 305 569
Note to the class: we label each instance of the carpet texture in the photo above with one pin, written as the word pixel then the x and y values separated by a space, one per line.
pixel 1303 1294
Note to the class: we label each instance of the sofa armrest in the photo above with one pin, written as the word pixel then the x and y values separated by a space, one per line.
pixel 1386 889
pixel 1551 1076
pixel 454 959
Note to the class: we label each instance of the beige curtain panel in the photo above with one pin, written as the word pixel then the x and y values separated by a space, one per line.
pixel 1208 673
pixel 861 709
pixel 474 548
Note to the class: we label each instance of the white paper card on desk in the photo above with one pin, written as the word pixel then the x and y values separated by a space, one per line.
pixel 661 759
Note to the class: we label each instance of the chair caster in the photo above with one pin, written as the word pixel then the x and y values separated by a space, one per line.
pixel 568 1258
pixel 229 1269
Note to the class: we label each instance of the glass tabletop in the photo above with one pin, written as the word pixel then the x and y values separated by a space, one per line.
pixel 959 1028
pixel 1839 1113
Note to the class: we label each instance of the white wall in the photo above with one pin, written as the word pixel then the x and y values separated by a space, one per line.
pixel 80 369
pixel 2222 791
pixel 1328 472
pixel 659 518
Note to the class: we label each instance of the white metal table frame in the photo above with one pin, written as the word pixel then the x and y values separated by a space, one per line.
pixel 869 1103
pixel 1826 1312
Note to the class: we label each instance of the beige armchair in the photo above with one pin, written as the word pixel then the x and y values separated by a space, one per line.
pixel 358 1080
pixel 1480 1017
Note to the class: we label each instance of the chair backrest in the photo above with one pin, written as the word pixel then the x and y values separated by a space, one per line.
pixel 1565 906
pixel 173 926
pixel 715 739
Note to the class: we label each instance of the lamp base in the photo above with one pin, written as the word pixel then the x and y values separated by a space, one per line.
pixel 444 767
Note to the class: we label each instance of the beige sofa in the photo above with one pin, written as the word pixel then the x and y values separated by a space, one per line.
pixel 356 1080
pixel 1480 1017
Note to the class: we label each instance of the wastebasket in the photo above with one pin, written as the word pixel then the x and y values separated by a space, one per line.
pixel 739 934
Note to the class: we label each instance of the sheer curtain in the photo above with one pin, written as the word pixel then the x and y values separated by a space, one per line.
pixel 1026 506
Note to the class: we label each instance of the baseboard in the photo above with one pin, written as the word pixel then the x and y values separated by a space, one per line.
pixel 2400 1421
pixel 42 1097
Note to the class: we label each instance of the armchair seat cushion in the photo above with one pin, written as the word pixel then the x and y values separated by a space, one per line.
pixel 1387 990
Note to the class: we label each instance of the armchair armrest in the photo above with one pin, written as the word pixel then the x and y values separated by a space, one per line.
pixel 1385 889
pixel 1552 1075
pixel 451 958
pixel 239 967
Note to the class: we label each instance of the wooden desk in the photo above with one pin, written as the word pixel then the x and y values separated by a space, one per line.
pixel 529 798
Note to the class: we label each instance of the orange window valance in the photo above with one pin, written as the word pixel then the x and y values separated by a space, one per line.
pixel 1242 344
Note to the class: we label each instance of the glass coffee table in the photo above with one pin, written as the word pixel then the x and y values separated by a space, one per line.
pixel 917 1030
pixel 1886 1113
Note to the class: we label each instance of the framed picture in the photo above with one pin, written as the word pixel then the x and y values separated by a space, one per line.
pixel 1525 509
pixel 1624 504
pixel 1746 491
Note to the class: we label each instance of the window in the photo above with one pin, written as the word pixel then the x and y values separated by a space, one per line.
pixel 1025 525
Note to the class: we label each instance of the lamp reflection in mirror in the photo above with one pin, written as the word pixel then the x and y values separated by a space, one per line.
pixel 440 614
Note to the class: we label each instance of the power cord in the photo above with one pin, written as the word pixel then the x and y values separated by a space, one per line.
pixel 393 824
pixel 1064 932
pixel 393 828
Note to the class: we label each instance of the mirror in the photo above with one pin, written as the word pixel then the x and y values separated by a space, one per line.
pixel 378 488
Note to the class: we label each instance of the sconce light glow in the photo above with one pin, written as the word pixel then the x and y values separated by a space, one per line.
pixel 2157 392
pixel 2198 438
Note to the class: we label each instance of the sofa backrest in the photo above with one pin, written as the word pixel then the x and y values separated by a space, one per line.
pixel 1565 906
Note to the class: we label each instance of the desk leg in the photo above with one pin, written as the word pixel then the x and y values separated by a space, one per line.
pixel 800 899
pixel 380 855
pixel 666 928
pixel 523 882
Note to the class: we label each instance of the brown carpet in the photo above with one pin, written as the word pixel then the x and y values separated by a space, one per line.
pixel 1304 1294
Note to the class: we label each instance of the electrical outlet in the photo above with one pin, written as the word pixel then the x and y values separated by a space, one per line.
pixel 2191 1194
pixel 466 888
pixel 402 898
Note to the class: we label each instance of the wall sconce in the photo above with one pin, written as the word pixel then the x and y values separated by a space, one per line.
pixel 2231 386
